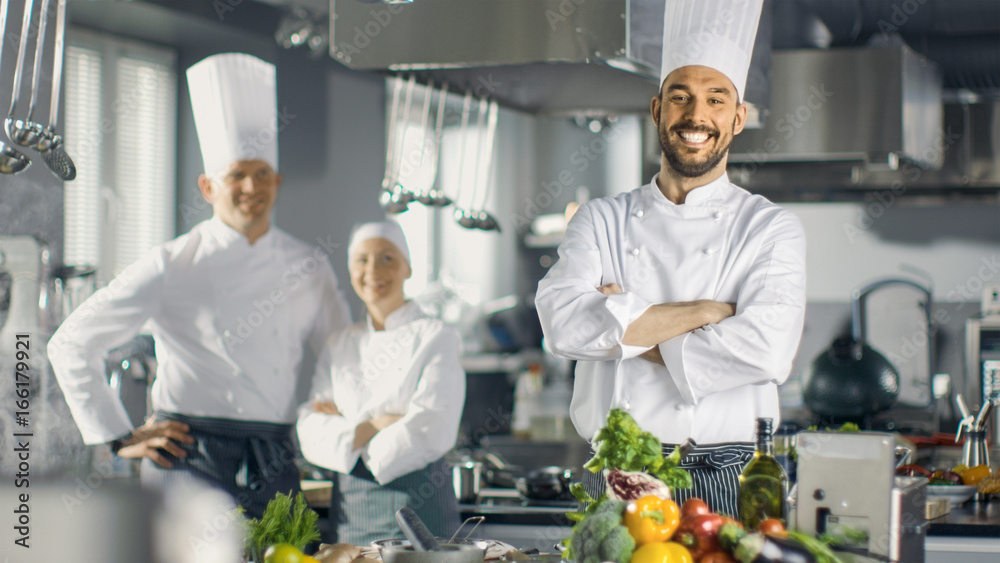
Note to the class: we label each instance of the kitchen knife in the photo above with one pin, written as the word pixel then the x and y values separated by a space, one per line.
pixel 415 530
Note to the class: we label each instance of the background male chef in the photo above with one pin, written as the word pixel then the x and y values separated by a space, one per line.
pixel 230 305
pixel 683 300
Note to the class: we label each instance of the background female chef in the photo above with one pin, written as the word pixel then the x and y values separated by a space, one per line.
pixel 390 391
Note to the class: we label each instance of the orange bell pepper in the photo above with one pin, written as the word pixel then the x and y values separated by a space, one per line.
pixel 652 519
pixel 666 552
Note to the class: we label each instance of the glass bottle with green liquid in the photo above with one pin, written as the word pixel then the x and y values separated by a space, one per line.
pixel 763 483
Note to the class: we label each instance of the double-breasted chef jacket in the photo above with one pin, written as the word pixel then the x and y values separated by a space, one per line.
pixel 230 321
pixel 412 368
pixel 722 244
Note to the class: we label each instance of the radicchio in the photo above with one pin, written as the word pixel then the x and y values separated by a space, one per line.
pixel 632 485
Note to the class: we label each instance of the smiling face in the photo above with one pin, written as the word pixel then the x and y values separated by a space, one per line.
pixel 378 270
pixel 697 114
pixel 242 195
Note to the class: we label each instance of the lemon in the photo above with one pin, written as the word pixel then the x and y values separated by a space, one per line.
pixel 283 553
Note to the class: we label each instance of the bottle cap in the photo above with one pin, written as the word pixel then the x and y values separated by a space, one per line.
pixel 765 425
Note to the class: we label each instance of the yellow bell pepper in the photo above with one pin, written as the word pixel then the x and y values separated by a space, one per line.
pixel 652 519
pixel 973 475
pixel 665 552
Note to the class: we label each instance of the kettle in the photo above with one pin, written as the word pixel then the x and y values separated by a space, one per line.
pixel 851 380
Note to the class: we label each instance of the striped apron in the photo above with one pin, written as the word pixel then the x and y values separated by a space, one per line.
pixel 362 511
pixel 715 470
pixel 252 461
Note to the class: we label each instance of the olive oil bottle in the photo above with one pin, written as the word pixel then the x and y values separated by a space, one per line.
pixel 763 484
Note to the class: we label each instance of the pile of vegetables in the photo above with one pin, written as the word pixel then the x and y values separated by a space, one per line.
pixel 636 520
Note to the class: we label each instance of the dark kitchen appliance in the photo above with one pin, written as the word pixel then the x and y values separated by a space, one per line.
pixel 851 381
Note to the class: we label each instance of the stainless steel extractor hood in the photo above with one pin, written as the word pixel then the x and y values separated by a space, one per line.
pixel 540 56
pixel 879 106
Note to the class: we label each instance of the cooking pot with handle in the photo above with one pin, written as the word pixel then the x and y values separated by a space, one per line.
pixel 851 380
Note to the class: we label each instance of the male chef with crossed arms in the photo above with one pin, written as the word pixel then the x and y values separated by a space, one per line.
pixel 231 305
pixel 683 300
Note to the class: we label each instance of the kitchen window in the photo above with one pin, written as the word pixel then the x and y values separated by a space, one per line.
pixel 120 128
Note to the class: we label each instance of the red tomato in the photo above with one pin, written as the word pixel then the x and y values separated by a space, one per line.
pixel 717 557
pixel 772 527
pixel 700 534
pixel 694 507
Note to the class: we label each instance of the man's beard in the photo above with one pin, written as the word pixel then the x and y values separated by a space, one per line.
pixel 687 167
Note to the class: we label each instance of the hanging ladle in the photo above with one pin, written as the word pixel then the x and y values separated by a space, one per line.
pixel 485 220
pixel 26 132
pixel 11 159
pixel 400 192
pixel 394 198
pixel 433 196
pixel 389 202
pixel 464 217
pixel 51 143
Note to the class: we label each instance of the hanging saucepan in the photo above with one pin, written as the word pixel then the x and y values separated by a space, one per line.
pixel 851 380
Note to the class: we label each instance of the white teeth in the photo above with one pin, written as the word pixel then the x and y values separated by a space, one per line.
pixel 694 137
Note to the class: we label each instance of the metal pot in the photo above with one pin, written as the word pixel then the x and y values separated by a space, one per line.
pixel 851 380
pixel 467 479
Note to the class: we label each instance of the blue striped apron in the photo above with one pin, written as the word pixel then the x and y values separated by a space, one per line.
pixel 715 470
pixel 252 461
pixel 364 511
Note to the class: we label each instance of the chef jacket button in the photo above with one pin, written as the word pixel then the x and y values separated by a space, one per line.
pixel 635 252
pixel 239 410
pixel 626 405
pixel 639 213
pixel 709 251
pixel 717 215
pixel 226 333
pixel 679 407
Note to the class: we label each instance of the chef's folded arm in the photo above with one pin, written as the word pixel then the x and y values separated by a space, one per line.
pixel 579 322
pixel 429 428
pixel 327 440
pixel 109 319
pixel 758 343
pixel 425 432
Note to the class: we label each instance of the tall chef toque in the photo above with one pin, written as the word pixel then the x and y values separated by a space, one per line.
pixel 235 110
pixel 715 33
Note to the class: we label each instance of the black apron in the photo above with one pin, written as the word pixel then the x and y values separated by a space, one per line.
pixel 252 461
pixel 362 511
pixel 715 470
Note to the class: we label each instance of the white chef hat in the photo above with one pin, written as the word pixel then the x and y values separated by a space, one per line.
pixel 389 230
pixel 235 110
pixel 715 33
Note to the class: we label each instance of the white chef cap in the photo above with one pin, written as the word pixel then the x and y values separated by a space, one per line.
pixel 389 230
pixel 715 33
pixel 235 107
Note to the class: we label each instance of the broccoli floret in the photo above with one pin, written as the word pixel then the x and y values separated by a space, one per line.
pixel 618 546
pixel 602 527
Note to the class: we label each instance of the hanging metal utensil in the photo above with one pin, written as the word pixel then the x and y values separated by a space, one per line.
pixel 32 131
pixel 477 216
pixel 433 196
pixel 24 131
pixel 11 159
pixel 464 217
pixel 401 196
pixel 51 143
pixel 387 200
pixel 487 221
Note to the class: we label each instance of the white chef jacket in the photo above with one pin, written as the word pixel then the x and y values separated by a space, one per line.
pixel 723 244
pixel 229 320
pixel 412 368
